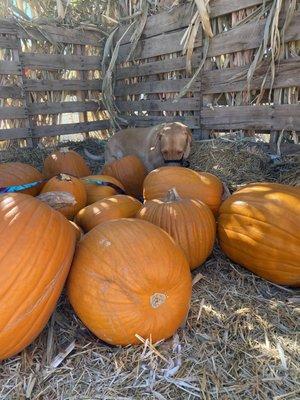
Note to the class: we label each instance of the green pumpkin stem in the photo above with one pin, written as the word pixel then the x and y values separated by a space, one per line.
pixel 172 195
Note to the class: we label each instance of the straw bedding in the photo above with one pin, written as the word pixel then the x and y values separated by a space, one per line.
pixel 239 342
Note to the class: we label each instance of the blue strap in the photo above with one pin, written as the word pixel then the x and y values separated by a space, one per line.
pixel 99 182
pixel 19 188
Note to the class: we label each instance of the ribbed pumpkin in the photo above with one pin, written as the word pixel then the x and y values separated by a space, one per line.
pixel 65 161
pixel 67 183
pixel 37 246
pixel 259 228
pixel 188 183
pixel 96 192
pixel 130 171
pixel 129 278
pixel 190 223
pixel 16 173
pixel 78 231
pixel 119 206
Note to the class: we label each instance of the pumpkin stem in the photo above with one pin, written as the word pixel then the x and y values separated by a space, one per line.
pixel 64 177
pixel 172 195
pixel 57 200
pixel 157 299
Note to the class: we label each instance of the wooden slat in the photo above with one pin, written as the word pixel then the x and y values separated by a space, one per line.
pixel 12 113
pixel 222 7
pixel 164 86
pixel 167 21
pixel 10 92
pixel 54 33
pixel 156 67
pixel 234 79
pixel 60 61
pixel 187 104
pixel 14 133
pixel 10 67
pixel 63 107
pixel 156 46
pixel 249 36
pixel 192 122
pixel 276 117
pixel 64 84
pixel 8 43
pixel 65 129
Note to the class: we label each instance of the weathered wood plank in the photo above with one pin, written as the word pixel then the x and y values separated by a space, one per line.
pixel 10 67
pixel 64 84
pixel 8 43
pixel 10 92
pixel 156 46
pixel 163 86
pixel 222 7
pixel 234 79
pixel 14 133
pixel 60 61
pixel 54 33
pixel 187 104
pixel 192 122
pixel 12 113
pixel 167 21
pixel 276 117
pixel 65 129
pixel 63 107
pixel 156 67
pixel 247 37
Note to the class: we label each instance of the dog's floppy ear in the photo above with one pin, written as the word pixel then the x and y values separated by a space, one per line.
pixel 189 138
pixel 158 135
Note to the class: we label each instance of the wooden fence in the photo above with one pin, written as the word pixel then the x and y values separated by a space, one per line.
pixel 147 83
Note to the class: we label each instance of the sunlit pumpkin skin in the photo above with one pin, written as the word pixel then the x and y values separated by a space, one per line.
pixel 130 171
pixel 16 173
pixel 188 183
pixel 119 206
pixel 259 228
pixel 67 183
pixel 189 222
pixel 78 231
pixel 65 161
pixel 37 246
pixel 128 278
pixel 97 192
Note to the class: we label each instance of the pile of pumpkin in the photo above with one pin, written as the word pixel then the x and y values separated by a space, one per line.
pixel 130 273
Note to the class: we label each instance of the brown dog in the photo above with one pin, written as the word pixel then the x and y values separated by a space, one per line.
pixel 156 146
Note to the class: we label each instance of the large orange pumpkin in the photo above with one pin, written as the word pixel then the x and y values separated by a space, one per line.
pixel 190 223
pixel 37 245
pixel 259 228
pixel 119 206
pixel 67 183
pixel 16 173
pixel 65 161
pixel 100 186
pixel 130 171
pixel 129 278
pixel 78 231
pixel 188 183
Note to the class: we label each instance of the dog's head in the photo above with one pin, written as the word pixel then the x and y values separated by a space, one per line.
pixel 174 142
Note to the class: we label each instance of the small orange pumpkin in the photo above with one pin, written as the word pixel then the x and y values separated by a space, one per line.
pixel 189 222
pixel 65 161
pixel 37 246
pixel 67 183
pixel 259 228
pixel 129 278
pixel 188 183
pixel 16 173
pixel 119 206
pixel 100 186
pixel 130 171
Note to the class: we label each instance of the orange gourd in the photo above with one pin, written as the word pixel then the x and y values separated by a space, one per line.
pixel 16 173
pixel 129 278
pixel 130 171
pixel 188 183
pixel 65 161
pixel 96 192
pixel 72 185
pixel 78 231
pixel 259 228
pixel 37 246
pixel 119 206
pixel 190 223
